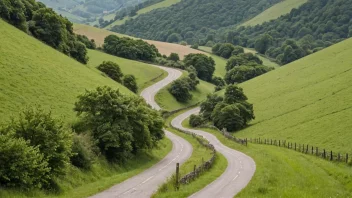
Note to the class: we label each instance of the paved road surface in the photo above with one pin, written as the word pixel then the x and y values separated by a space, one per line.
pixel 238 173
pixel 147 182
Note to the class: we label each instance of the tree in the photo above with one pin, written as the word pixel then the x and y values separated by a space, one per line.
pixel 130 82
pixel 195 120
pixel 243 73
pixel 121 125
pixel 112 70
pixel 237 50
pixel 228 117
pixel 180 89
pixel 49 135
pixel 234 94
pixel 174 38
pixel 263 43
pixel 207 107
pixel 174 57
pixel 204 65
pixel 225 50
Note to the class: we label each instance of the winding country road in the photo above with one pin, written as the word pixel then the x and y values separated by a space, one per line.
pixel 146 183
pixel 238 173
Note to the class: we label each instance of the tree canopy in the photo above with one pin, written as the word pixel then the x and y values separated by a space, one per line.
pixel 204 65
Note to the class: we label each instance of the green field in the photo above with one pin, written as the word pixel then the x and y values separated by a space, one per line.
pixel 199 153
pixel 274 12
pixel 32 73
pixel 149 76
pixel 308 101
pixel 169 103
pixel 163 4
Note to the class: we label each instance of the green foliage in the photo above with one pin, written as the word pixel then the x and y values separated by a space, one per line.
pixel 90 44
pixel 184 43
pixel 243 59
pixel 204 65
pixel 130 48
pixel 180 89
pixel 195 120
pixel 44 24
pixel 207 107
pixel 226 50
pixel 227 117
pixel 112 70
pixel 237 50
pixel 195 46
pixel 192 21
pixel 121 125
pixel 21 165
pixel 263 43
pixel 130 82
pixel 174 57
pixel 49 135
pixel 243 73
pixel 83 151
pixel 169 63
pixel 218 82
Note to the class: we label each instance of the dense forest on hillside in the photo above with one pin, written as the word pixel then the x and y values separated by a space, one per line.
pixel 313 26
pixel 192 20
pixel 44 24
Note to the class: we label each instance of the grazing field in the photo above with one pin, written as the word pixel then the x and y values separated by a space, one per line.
pixel 308 101
pixel 164 48
pixel 32 73
pixel 169 103
pixel 274 12
pixel 145 74
pixel 199 153
pixel 163 4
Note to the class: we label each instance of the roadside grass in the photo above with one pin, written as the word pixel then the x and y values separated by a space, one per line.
pixel 167 102
pixel 163 4
pixel 80 184
pixel 308 101
pixel 32 73
pixel 285 173
pixel 199 153
pixel 274 12
pixel 145 74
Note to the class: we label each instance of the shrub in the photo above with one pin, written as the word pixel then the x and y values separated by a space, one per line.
pixel 48 135
pixel 112 70
pixel 184 43
pixel 180 89
pixel 195 120
pixel 21 165
pixel 83 151
pixel 195 46
pixel 243 73
pixel 130 82
pixel 174 57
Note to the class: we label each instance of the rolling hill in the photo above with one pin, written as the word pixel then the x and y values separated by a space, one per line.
pixel 274 12
pixel 308 101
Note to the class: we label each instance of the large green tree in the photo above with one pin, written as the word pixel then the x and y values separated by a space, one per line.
pixel 204 65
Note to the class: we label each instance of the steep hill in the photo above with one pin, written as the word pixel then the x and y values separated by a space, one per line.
pixel 32 73
pixel 308 101
pixel 164 48
pixel 274 12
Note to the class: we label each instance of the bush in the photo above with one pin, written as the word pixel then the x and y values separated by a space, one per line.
pixel 21 165
pixel 184 43
pixel 195 46
pixel 195 120
pixel 247 59
pixel 112 70
pixel 243 73
pixel 130 82
pixel 174 57
pixel 180 89
pixel 48 135
pixel 83 151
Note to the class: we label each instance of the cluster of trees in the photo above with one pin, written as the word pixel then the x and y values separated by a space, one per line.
pixel 181 88
pixel 311 27
pixel 231 112
pixel 44 24
pixel 226 50
pixel 193 21
pixel 172 61
pixel 113 70
pixel 35 149
pixel 204 65
pixel 90 44
pixel 130 48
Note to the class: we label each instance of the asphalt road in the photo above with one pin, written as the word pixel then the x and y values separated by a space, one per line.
pixel 146 183
pixel 238 173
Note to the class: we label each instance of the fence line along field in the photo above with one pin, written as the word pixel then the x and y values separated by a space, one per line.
pixel 164 48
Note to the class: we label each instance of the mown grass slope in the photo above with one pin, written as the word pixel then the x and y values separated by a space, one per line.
pixel 274 12
pixel 32 73
pixel 163 4
pixel 308 101
pixel 145 74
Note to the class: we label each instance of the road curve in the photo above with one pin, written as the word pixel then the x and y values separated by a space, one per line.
pixel 238 173
pixel 146 183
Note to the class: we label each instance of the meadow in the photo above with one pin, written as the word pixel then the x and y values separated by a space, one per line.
pixel 163 4
pixel 274 12
pixel 307 101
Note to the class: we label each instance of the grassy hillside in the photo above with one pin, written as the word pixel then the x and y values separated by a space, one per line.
pixel 169 103
pixel 145 74
pixel 163 4
pixel 33 73
pixel 164 48
pixel 274 12
pixel 308 101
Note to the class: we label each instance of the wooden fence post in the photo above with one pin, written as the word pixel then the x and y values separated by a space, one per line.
pixel 279 143
pixel 346 157
pixel 271 141
pixel 312 150
pixel 331 158
pixel 316 151
pixel 324 154
pixel 338 157
pixel 177 174
pixel 194 170
pixel 303 148
pixel 307 149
